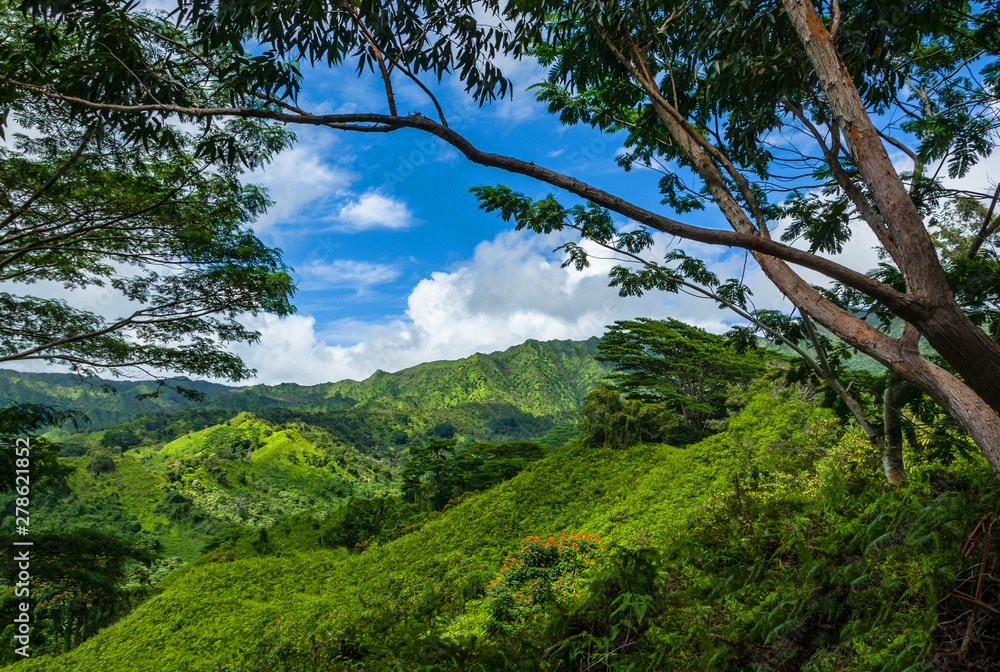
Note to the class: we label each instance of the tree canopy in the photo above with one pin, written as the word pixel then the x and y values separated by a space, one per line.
pixel 772 111
pixel 686 368
pixel 160 230
pixel 155 229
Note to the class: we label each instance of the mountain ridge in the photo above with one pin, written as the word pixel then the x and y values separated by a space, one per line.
pixel 536 377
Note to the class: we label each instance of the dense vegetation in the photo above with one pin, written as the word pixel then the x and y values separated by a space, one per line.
pixel 774 544
pixel 388 534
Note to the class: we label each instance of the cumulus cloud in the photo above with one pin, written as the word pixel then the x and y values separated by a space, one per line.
pixel 303 182
pixel 512 289
pixel 374 210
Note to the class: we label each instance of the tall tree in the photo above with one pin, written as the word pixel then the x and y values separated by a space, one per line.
pixel 687 369
pixel 705 88
pixel 161 231
pixel 156 229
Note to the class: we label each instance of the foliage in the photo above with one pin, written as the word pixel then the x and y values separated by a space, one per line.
pixel 76 587
pixel 451 471
pixel 19 424
pixel 560 434
pixel 82 202
pixel 383 602
pixel 544 571
pixel 685 368
pixel 120 437
pixel 773 544
pixel 171 497
pixel 826 572
pixel 606 420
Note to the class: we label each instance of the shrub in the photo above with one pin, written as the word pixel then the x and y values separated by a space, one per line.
pixel 544 571
pixel 102 464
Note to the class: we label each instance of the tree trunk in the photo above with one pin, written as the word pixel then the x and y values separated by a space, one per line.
pixel 967 348
pixel 892 450
pixel 900 356
pixel 936 314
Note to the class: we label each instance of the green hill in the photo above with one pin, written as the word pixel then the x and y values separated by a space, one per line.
pixel 537 378
pixel 212 614
pixel 770 541
pixel 541 378
pixel 168 498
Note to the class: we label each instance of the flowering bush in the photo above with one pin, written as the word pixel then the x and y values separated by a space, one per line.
pixel 544 571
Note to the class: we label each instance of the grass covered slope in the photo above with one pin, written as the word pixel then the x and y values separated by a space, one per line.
pixel 243 472
pixel 632 497
pixel 774 545
pixel 618 494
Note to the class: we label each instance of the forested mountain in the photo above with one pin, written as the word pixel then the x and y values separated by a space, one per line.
pixel 538 378
pixel 240 472
pixel 92 397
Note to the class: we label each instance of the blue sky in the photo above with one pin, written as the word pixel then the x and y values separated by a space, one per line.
pixel 395 263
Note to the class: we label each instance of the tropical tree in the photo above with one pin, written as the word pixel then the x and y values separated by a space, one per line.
pixel 161 231
pixel 154 232
pixel 77 585
pixel 669 362
pixel 743 103
pixel 434 458
pixel 607 420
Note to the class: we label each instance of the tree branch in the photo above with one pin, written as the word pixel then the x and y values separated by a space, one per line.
pixel 898 302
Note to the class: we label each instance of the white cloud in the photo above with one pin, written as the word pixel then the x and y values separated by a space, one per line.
pixel 374 210
pixel 512 289
pixel 318 274
pixel 301 180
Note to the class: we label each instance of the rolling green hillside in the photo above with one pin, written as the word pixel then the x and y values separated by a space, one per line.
pixel 690 558
pixel 212 614
pixel 169 498
pixel 537 378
